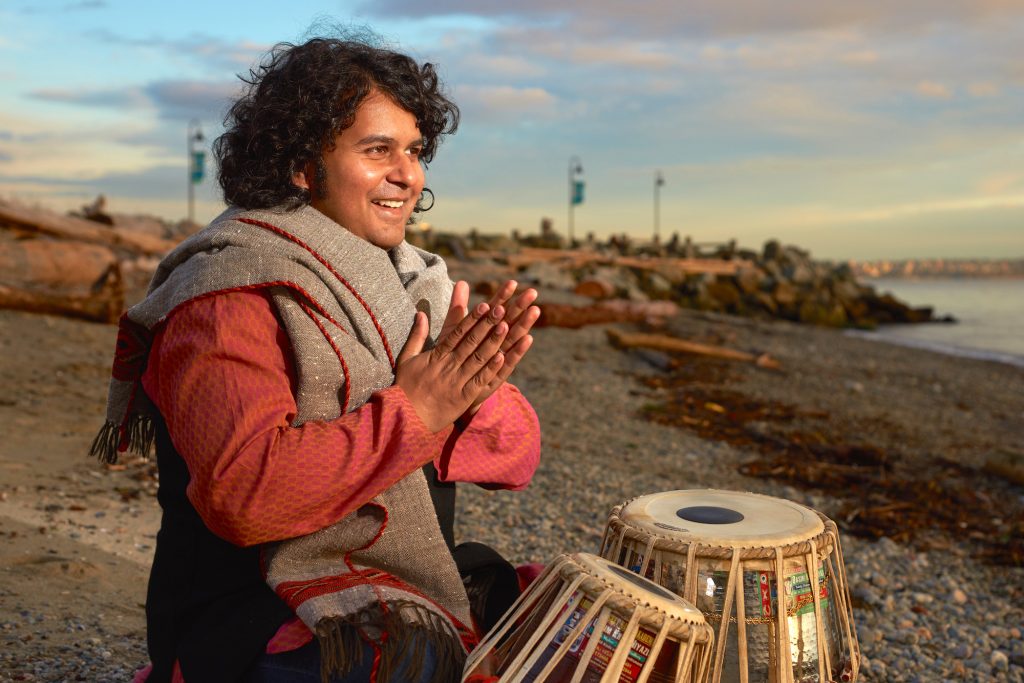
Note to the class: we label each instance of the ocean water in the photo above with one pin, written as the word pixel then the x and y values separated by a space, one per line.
pixel 989 313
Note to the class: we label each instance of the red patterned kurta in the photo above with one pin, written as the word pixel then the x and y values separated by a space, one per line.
pixel 221 373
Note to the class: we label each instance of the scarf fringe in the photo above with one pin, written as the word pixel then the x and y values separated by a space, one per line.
pixel 137 434
pixel 399 643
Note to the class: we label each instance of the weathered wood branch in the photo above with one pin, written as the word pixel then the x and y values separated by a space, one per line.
pixel 44 222
pixel 661 342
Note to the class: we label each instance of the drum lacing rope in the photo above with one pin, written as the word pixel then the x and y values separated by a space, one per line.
pixel 713 552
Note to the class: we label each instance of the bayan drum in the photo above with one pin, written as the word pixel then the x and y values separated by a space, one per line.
pixel 587 620
pixel 753 565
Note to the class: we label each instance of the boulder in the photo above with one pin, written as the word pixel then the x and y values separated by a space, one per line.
pixel 545 274
pixel 725 293
pixel 822 312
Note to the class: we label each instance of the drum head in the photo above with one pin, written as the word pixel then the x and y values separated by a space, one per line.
pixel 639 590
pixel 725 518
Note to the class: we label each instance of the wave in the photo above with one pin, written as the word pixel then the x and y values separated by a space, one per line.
pixel 939 347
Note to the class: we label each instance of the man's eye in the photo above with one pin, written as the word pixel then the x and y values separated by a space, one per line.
pixel 378 150
pixel 415 152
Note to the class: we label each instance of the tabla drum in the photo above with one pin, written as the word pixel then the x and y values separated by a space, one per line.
pixel 643 632
pixel 733 555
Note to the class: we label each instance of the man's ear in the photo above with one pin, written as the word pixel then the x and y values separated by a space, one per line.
pixel 302 178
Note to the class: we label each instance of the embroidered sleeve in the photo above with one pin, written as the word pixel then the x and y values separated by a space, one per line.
pixel 221 374
pixel 499 448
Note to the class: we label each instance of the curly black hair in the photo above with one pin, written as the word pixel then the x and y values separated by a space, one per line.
pixel 300 98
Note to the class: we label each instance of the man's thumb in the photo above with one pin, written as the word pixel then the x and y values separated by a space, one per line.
pixel 417 337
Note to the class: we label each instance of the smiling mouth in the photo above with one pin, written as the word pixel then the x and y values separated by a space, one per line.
pixel 389 203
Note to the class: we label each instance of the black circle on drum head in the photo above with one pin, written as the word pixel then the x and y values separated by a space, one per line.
pixel 709 514
pixel 638 580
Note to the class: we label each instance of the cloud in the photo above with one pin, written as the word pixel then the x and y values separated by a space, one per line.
pixel 149 183
pixel 1000 183
pixel 184 100
pixel 708 17
pixel 860 57
pixel 175 100
pixel 114 98
pixel 85 5
pixel 933 90
pixel 210 51
pixel 983 89
pixel 819 216
pixel 4 156
pixel 504 102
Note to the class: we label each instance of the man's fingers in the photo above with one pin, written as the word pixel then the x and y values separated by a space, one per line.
pixel 479 335
pixel 504 293
pixel 481 381
pixel 471 356
pixel 521 327
pixel 513 356
pixel 451 339
pixel 520 304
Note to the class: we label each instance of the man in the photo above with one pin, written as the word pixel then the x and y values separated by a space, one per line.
pixel 311 382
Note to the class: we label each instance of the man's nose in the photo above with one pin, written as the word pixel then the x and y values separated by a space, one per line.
pixel 404 171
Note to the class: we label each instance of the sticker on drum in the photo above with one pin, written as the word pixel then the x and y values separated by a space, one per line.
pixel 611 635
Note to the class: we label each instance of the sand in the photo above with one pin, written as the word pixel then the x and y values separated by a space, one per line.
pixel 78 536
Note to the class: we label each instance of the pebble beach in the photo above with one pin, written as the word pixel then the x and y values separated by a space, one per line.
pixel 932 605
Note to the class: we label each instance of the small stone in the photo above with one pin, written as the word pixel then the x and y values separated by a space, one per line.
pixel 962 651
pixel 923 598
pixel 999 660
pixel 867 636
pixel 959 597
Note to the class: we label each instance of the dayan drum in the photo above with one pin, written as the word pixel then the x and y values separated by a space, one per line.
pixel 733 555
pixel 585 620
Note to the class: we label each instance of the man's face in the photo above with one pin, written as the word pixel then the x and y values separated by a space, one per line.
pixel 374 176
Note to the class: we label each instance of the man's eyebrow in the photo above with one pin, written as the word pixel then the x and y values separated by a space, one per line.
pixel 370 139
pixel 387 139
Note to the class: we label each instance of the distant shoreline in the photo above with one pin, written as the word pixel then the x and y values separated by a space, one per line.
pixel 943 276
pixel 992 356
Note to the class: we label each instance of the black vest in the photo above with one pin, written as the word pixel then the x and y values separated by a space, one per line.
pixel 209 608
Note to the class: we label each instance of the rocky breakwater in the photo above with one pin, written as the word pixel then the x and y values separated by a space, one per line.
pixel 778 282
pixel 785 282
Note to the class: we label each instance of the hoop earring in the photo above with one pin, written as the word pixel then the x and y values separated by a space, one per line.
pixel 419 202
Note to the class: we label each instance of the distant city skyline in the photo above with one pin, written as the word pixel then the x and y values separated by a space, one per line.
pixel 868 130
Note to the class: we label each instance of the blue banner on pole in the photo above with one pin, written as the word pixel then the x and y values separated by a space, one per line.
pixel 198 161
pixel 577 192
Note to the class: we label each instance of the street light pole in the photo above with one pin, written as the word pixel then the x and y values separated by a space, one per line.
pixel 195 164
pixel 575 192
pixel 658 182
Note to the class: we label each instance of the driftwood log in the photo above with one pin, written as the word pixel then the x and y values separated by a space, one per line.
pixel 61 277
pixel 610 311
pixel 40 222
pixel 661 342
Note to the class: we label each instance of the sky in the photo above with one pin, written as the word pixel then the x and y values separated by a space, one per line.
pixel 877 129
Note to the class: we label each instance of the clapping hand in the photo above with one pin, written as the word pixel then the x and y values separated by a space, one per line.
pixel 443 383
pixel 520 315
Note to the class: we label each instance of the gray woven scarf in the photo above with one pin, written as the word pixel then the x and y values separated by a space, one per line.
pixel 347 307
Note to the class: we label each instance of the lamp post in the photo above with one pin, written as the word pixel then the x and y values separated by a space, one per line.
pixel 575 191
pixel 196 159
pixel 658 182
